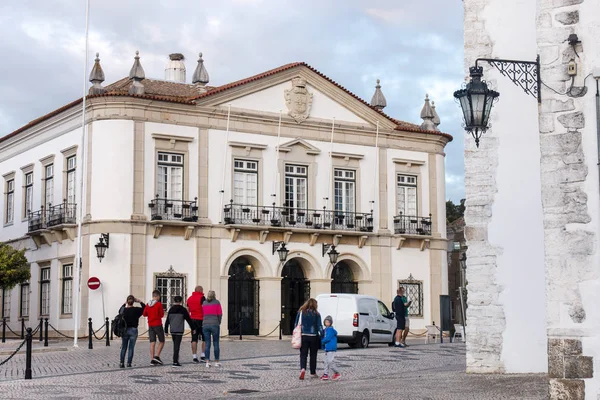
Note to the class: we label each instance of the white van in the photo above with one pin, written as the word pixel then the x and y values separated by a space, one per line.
pixel 358 319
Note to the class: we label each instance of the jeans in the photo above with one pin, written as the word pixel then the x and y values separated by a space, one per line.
pixel 208 332
pixel 176 346
pixel 311 343
pixel 128 341
pixel 329 363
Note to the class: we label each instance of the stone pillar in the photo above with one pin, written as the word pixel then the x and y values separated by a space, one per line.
pixel 270 304
pixel 319 286
pixel 366 288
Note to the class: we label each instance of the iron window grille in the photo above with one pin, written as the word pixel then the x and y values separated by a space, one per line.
pixel 170 284
pixel 413 290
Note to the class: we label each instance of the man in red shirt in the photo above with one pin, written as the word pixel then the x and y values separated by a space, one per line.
pixel 194 304
pixel 155 312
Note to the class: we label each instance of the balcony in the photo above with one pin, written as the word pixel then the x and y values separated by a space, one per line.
pixel 285 217
pixel 61 214
pixel 411 225
pixel 173 210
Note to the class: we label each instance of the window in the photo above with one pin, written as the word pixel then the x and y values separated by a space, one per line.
pixel 10 201
pixel 67 289
pixel 71 166
pixel 245 182
pixel 413 290
pixel 5 303
pixel 45 291
pixel 170 285
pixel 48 185
pixel 383 310
pixel 24 308
pixel 28 194
pixel 296 182
pixel 407 195
pixel 170 176
pixel 344 185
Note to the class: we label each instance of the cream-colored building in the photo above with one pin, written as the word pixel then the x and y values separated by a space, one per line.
pixel 194 183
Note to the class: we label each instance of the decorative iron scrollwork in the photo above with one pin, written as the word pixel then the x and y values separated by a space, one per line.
pixel 525 74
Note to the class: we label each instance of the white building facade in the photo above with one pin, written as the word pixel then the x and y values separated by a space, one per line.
pixel 532 219
pixel 193 184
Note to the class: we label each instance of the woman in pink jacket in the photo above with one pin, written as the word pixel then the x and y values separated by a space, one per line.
pixel 211 325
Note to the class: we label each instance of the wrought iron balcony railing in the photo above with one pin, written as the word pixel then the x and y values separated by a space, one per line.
pixel 173 210
pixel 238 214
pixel 411 225
pixel 60 214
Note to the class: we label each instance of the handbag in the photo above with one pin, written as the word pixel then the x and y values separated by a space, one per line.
pixel 297 334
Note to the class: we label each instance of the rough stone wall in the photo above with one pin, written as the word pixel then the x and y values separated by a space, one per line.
pixel 569 240
pixel 485 315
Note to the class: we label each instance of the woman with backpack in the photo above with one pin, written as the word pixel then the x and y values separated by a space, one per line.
pixel 129 332
pixel 312 329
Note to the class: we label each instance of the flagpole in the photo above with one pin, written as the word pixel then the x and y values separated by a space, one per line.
pixel 276 185
pixel 78 264
pixel 225 159
pixel 376 191
pixel 330 163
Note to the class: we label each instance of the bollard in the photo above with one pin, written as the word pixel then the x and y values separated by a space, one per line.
pixel 90 334
pixel 107 325
pixel 41 329
pixel 45 332
pixel 22 328
pixel 3 330
pixel 28 354
pixel 111 335
pixel 241 319
pixel 279 329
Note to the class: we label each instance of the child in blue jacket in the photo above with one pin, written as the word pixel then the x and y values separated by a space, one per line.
pixel 329 344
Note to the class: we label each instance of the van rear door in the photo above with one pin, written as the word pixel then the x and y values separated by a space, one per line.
pixel 328 305
pixel 346 309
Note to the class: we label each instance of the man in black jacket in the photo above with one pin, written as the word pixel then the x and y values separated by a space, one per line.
pixel 176 318
pixel 399 308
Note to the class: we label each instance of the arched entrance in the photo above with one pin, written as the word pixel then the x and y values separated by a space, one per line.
pixel 242 299
pixel 343 279
pixel 295 290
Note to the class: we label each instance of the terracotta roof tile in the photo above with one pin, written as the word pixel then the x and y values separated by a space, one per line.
pixel 155 87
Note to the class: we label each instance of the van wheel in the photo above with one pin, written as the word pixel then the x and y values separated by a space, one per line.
pixel 364 340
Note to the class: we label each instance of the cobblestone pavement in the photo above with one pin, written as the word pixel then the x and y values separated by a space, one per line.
pixel 263 369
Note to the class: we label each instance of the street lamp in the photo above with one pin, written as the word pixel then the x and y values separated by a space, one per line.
pixel 281 250
pixel 333 254
pixel 102 245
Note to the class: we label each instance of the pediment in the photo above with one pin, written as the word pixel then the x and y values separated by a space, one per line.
pixel 301 144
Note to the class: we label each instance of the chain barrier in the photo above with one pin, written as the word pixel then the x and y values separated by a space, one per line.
pixel 277 327
pixel 14 353
pixel 101 337
pixel 63 335
pixel 233 331
pixel 13 332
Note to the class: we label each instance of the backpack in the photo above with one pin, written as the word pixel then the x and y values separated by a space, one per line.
pixel 119 326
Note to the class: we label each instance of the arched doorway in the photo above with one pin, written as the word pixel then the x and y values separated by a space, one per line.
pixel 243 298
pixel 295 290
pixel 343 279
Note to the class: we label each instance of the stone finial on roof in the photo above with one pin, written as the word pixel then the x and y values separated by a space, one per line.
pixel 137 75
pixel 436 117
pixel 427 116
pixel 378 99
pixel 97 77
pixel 200 76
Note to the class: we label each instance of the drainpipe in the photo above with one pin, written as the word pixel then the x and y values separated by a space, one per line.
pixel 597 76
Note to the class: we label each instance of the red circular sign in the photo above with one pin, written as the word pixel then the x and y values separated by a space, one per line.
pixel 93 283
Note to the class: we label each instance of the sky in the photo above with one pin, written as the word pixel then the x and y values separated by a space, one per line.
pixel 414 47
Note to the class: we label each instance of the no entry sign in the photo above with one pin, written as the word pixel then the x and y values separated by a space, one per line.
pixel 93 283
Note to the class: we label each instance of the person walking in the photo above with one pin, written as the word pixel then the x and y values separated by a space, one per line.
pixel 312 329
pixel 194 305
pixel 131 316
pixel 406 319
pixel 213 313
pixel 155 312
pixel 399 308
pixel 329 344
pixel 176 319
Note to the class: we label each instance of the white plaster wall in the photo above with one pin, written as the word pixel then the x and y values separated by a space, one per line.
pixel 441 196
pixel 409 261
pixel 112 170
pixel 517 226
pixel 273 99
pixel 168 251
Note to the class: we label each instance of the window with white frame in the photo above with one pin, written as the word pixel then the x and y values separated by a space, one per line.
pixel 5 303
pixel 45 291
pixel 407 195
pixel 71 167
pixel 344 186
pixel 10 201
pixel 170 176
pixel 67 289
pixel 296 186
pixel 48 185
pixel 28 192
pixel 245 182
pixel 170 286
pixel 24 306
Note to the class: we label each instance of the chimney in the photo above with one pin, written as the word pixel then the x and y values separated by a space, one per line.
pixel 175 69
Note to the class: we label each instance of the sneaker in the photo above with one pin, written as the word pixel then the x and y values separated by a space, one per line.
pixel 207 364
pixel 217 365
pixel 203 358
pixel 336 376
pixel 195 359
pixel 121 365
pixel 402 345
pixel 158 360
pixel 129 365
pixel 325 377
pixel 302 373
pixel 176 364
pixel 153 362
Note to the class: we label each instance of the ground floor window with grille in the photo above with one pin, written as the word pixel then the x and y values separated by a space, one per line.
pixel 24 308
pixel 45 291
pixel 170 284
pixel 413 290
pixel 67 289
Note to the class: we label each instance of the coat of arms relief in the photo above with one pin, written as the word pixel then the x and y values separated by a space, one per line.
pixel 298 100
